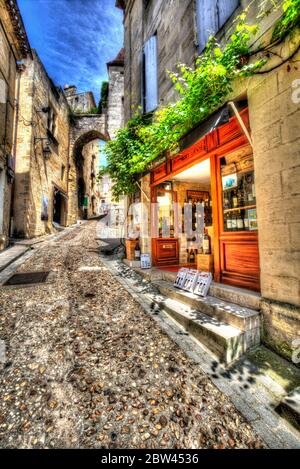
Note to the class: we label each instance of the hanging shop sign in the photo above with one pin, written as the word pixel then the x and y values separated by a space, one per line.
pixel 230 181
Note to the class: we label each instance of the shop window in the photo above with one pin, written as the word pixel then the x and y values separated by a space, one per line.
pixel 166 198
pixel 211 17
pixel 239 196
pixel 150 75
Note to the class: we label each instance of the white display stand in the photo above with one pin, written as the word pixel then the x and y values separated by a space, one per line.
pixel 146 261
pixel 193 281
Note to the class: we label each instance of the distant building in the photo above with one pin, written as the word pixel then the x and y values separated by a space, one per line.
pixel 79 102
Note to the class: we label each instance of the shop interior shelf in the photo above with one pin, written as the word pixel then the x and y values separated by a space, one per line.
pixel 239 209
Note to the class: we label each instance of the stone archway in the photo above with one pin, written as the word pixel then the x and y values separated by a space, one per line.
pixel 84 129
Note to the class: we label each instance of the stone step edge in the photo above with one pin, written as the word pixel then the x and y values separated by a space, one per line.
pixel 239 296
pixel 213 307
pixel 226 342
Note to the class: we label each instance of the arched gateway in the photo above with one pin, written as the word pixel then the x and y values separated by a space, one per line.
pixel 84 129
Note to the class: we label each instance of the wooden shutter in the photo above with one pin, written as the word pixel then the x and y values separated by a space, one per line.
pixel 226 9
pixel 211 16
pixel 207 20
pixel 151 76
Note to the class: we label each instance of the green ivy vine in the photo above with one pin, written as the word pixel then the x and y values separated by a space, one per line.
pixel 201 91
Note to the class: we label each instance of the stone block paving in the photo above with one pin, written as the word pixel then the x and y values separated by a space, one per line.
pixel 86 367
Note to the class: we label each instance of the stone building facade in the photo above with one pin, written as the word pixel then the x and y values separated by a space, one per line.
pixel 115 102
pixel 272 100
pixel 42 163
pixel 14 47
pixel 82 103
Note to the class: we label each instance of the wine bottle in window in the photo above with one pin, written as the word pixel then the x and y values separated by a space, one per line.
pixel 240 222
pixel 228 222
pixel 234 200
pixel 246 221
pixel 206 243
pixel 234 221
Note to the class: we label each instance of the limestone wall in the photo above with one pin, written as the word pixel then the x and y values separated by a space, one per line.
pixel 8 74
pixel 115 108
pixel 37 175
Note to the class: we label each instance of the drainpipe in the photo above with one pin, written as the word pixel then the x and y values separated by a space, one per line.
pixel 241 122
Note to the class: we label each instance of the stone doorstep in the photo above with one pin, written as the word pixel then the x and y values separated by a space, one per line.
pixel 242 318
pixel 238 296
pixel 228 343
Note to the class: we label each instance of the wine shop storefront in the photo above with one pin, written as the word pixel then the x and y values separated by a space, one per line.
pixel 214 168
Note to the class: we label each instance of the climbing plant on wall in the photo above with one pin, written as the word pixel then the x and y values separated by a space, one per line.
pixel 201 91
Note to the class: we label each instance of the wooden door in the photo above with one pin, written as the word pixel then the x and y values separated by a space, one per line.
pixel 238 257
pixel 165 245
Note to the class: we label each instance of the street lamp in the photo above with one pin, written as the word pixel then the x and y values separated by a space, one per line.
pixel 46 146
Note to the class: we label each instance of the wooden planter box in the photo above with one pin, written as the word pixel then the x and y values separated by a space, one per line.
pixel 130 248
pixel 205 262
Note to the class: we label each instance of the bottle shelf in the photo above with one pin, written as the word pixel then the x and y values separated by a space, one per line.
pixel 239 209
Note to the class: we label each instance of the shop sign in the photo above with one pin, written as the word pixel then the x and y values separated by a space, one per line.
pixel 146 261
pixel 230 181
pixel 193 281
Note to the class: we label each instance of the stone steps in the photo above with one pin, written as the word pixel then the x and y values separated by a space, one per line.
pixel 238 296
pixel 243 318
pixel 228 343
pixel 224 328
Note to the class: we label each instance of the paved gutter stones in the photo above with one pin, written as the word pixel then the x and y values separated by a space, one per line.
pixel 10 255
pixel 247 386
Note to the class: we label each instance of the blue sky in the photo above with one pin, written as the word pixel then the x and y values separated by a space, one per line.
pixel 74 38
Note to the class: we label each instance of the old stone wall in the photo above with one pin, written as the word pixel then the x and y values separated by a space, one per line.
pixel 39 175
pixel 174 23
pixel 84 129
pixel 79 102
pixel 274 105
pixel 115 107
pixel 10 52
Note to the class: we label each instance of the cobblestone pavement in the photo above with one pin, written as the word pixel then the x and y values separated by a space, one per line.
pixel 87 367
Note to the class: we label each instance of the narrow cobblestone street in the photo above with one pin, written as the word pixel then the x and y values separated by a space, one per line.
pixel 86 367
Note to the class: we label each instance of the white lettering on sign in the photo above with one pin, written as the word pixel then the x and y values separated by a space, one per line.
pixel 296 93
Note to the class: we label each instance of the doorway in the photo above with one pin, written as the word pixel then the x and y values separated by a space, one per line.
pixel 59 207
pixel 224 185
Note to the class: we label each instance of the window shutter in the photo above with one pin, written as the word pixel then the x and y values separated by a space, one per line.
pixel 207 20
pixel 226 9
pixel 151 74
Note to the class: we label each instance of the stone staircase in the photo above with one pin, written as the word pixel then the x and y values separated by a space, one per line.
pixel 227 321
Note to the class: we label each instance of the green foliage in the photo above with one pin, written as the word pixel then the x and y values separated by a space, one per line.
pixel 201 91
pixel 103 97
pixel 289 20
pixel 94 110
